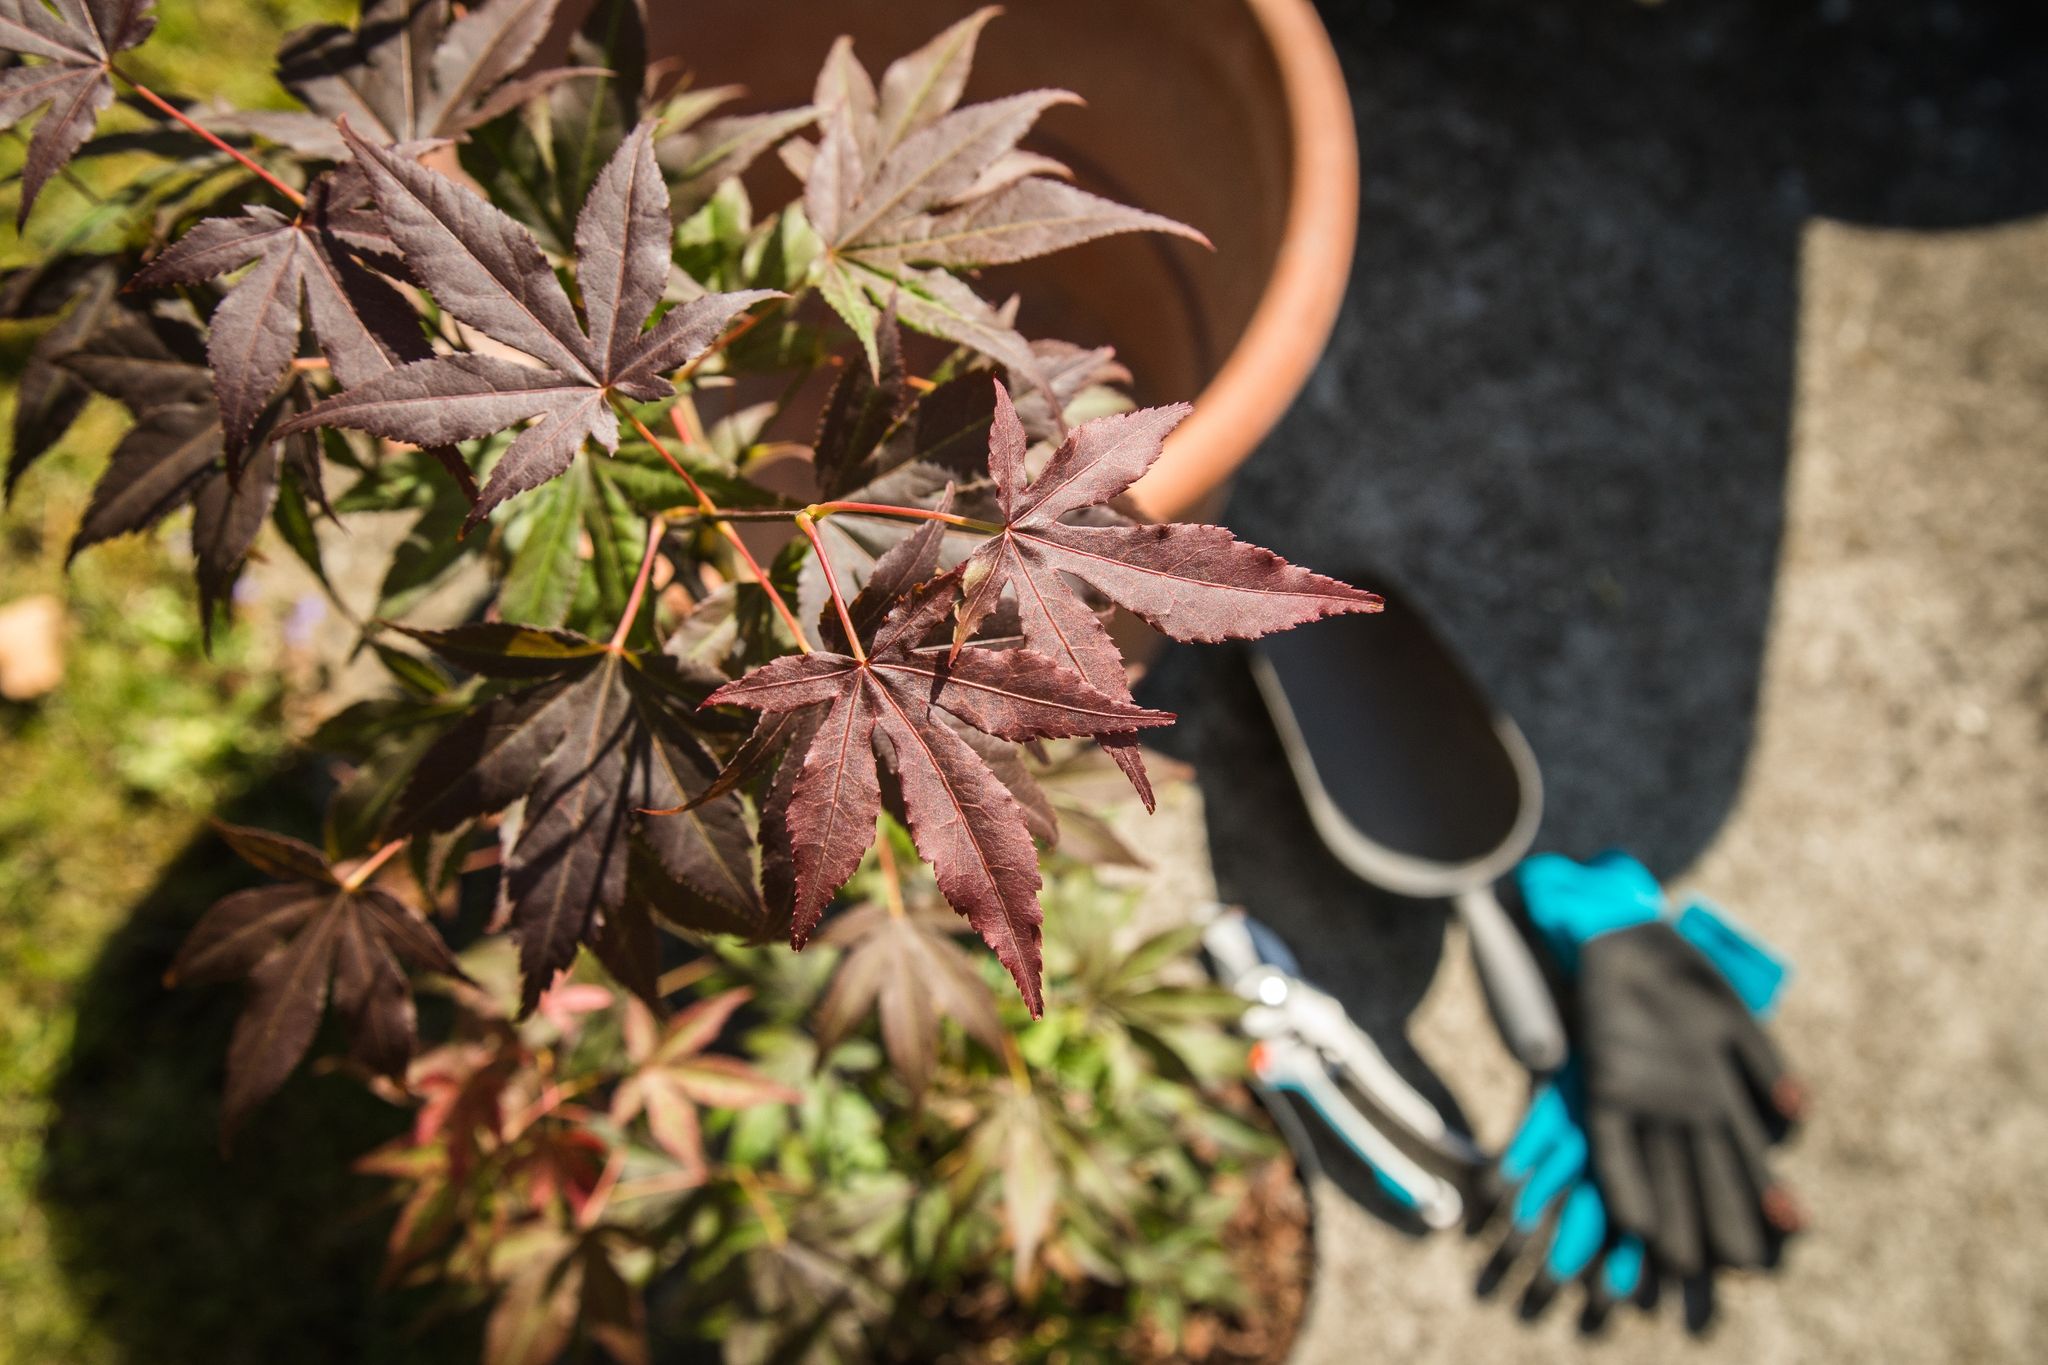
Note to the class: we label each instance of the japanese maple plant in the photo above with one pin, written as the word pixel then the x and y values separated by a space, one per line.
pixel 525 294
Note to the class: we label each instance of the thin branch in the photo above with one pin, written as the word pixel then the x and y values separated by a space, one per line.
pixel 181 116
pixel 810 530
pixel 1013 1058
pixel 601 1193
pixel 704 502
pixel 557 1094
pixel 647 1186
pixel 680 978
pixel 680 515
pixel 771 1221
pixel 716 517
pixel 732 334
pixel 368 867
pixel 820 510
pixel 892 880
pixel 689 424
pixel 655 528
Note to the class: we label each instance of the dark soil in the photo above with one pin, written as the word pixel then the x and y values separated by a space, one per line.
pixel 1274 1256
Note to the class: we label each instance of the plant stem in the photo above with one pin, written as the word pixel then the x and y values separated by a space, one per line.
pixel 771 1221
pixel 820 510
pixel 554 1097
pixel 883 509
pixel 732 334
pixel 810 530
pixel 704 503
pixel 601 1192
pixel 181 116
pixel 892 880
pixel 716 517
pixel 689 974
pixel 1020 1074
pixel 689 425
pixel 749 514
pixel 649 1185
pixel 655 528
pixel 368 867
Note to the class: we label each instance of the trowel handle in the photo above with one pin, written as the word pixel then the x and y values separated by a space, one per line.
pixel 1515 988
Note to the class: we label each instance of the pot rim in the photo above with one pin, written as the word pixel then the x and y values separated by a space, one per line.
pixel 1297 310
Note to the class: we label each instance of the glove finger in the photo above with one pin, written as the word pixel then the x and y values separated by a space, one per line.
pixel 1563 1163
pixel 1676 1232
pixel 1748 1131
pixel 1751 1142
pixel 1698 1294
pixel 1547 1123
pixel 1575 1240
pixel 1484 1195
pixel 1783 1097
pixel 1622 1269
pixel 1500 1263
pixel 1730 1200
pixel 1624 1176
pixel 1537 1296
pixel 1580 1232
pixel 1617 1277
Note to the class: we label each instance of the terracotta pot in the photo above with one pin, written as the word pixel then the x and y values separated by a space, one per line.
pixel 1230 115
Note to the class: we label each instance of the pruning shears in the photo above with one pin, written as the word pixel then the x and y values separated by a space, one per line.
pixel 1306 1045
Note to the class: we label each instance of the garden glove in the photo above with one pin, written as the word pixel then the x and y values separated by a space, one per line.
pixel 1546 1176
pixel 1684 1092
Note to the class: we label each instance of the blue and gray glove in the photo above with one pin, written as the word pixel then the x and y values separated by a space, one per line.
pixel 1683 1091
pixel 1545 1175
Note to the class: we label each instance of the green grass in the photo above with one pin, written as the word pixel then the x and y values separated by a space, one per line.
pixel 105 781
pixel 205 50
pixel 123 1234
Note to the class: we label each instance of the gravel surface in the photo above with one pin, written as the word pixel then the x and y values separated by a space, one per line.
pixel 1694 376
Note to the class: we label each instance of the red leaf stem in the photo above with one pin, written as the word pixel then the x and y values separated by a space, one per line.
pixel 181 116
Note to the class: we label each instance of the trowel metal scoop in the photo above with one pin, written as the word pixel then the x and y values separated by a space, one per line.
pixel 1418 784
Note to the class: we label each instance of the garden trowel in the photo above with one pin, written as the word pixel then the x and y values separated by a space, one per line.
pixel 1418 784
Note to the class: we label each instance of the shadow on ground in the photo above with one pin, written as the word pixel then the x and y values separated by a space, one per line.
pixel 1557 408
pixel 181 1254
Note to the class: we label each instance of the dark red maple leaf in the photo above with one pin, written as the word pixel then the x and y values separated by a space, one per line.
pixel 890 700
pixel 903 184
pixel 1191 582
pixel 76 43
pixel 78 291
pixel 489 272
pixel 176 452
pixel 314 940
pixel 596 737
pixel 363 324
pixel 409 71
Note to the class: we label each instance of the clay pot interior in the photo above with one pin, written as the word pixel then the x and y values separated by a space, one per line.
pixel 1185 116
